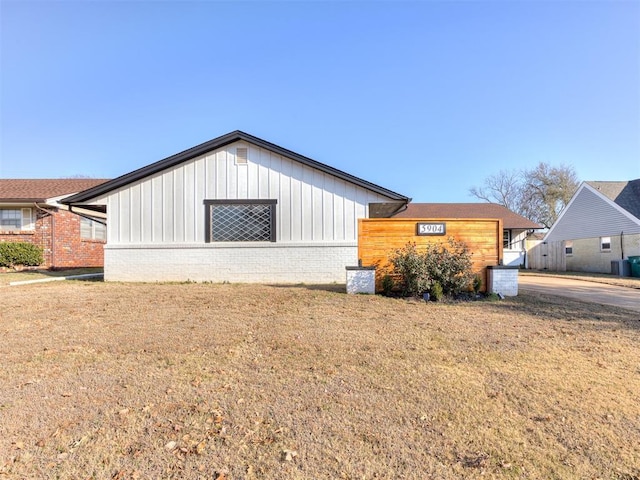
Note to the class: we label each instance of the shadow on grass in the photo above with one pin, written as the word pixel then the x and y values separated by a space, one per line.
pixel 7 278
pixel 329 287
pixel 555 308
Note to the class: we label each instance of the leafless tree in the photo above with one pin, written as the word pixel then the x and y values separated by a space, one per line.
pixel 538 194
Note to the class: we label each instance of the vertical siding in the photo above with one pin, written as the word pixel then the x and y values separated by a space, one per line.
pixel 154 209
pixel 313 206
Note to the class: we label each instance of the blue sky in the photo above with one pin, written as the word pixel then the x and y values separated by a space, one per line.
pixel 424 98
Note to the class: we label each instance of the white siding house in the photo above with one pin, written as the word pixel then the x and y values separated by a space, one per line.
pixel 237 209
pixel 600 224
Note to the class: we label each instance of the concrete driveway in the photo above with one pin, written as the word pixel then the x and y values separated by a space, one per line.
pixel 580 290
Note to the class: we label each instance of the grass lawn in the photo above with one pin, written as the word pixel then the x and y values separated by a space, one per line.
pixel 122 381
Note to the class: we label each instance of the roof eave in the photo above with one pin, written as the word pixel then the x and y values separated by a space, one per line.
pixel 219 142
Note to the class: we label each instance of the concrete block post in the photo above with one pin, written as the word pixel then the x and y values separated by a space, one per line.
pixel 361 280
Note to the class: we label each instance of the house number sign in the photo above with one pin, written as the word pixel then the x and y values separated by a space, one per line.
pixel 431 228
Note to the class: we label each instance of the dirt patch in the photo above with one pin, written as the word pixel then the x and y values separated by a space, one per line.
pixel 106 380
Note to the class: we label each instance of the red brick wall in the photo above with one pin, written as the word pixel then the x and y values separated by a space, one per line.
pixel 58 234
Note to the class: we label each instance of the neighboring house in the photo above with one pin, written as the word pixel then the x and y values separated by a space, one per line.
pixel 515 227
pixel 30 212
pixel 600 225
pixel 237 209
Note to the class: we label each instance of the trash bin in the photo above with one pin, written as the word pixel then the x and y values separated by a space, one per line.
pixel 635 266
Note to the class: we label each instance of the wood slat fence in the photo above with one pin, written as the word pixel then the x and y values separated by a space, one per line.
pixel 378 238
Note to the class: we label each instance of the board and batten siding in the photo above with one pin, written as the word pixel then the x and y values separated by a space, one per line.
pixel 167 208
pixel 589 215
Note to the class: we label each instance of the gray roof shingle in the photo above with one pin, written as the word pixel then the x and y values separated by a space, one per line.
pixel 624 194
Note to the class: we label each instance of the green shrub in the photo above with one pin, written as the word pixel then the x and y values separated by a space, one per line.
pixel 477 284
pixel 436 291
pixel 20 253
pixel 410 265
pixel 447 263
pixel 387 284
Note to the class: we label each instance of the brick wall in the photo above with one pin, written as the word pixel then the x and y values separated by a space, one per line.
pixel 503 280
pixel 268 262
pixel 58 234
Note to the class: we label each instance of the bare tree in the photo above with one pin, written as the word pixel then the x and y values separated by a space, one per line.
pixel 538 194
pixel 547 190
pixel 503 188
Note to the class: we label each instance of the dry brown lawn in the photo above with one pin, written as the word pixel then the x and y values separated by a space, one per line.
pixel 122 381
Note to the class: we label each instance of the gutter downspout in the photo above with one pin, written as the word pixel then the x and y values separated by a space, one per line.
pixel 53 233
pixel 621 245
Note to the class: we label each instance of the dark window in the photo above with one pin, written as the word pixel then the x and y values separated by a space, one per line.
pixel 506 239
pixel 568 247
pixel 240 220
pixel 605 244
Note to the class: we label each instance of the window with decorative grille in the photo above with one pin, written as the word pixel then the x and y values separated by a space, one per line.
pixel 240 220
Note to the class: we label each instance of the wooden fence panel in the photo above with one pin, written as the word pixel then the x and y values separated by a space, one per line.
pixel 378 238
pixel 548 256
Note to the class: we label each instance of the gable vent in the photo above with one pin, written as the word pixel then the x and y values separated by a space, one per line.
pixel 242 155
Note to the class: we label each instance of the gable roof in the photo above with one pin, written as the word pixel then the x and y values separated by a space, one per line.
pixel 468 210
pixel 39 190
pixel 597 209
pixel 623 194
pixel 214 144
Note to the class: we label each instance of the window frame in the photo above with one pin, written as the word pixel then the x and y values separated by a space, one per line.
pixel 568 248
pixel 93 226
pixel 26 223
pixel 211 203
pixel 506 239
pixel 603 243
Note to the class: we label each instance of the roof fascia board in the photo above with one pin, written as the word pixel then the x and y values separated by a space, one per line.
pixel 565 210
pixel 216 143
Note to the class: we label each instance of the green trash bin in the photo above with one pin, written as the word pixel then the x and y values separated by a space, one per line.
pixel 635 266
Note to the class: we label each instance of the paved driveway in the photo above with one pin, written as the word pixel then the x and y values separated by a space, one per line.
pixel 586 291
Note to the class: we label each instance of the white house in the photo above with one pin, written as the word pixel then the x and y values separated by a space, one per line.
pixel 600 225
pixel 237 209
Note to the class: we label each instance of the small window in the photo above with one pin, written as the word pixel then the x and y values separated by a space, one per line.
pixel 506 239
pixel 16 219
pixel 92 230
pixel 240 220
pixel 568 248
pixel 605 244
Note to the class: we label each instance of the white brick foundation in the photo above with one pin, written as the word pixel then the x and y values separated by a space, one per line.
pixel 503 280
pixel 361 280
pixel 241 263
